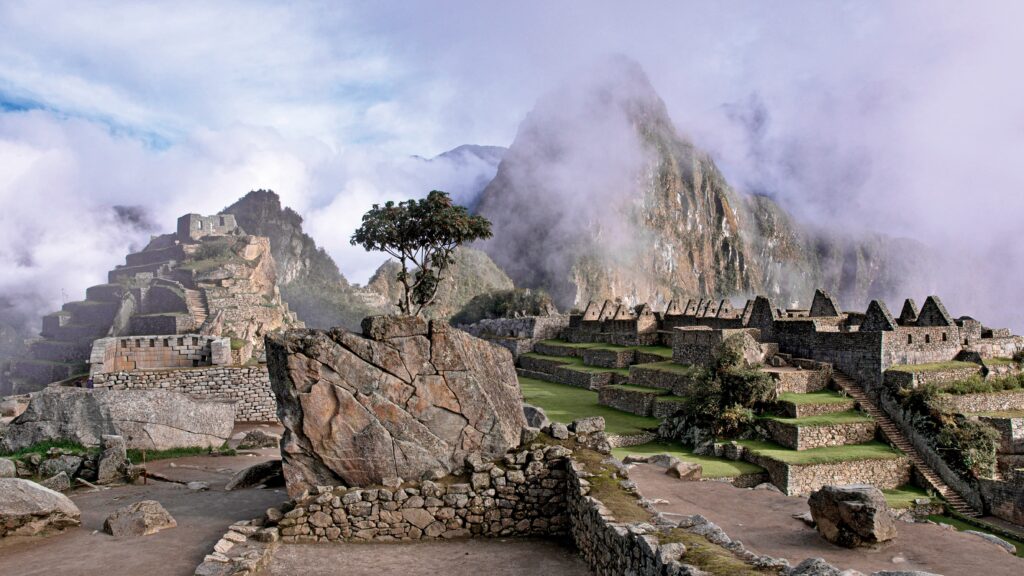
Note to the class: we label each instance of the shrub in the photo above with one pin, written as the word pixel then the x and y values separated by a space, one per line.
pixel 746 387
pixel 735 420
pixel 215 249
pixel 505 304
pixel 968 445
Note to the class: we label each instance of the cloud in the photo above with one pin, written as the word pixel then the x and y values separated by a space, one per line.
pixel 905 118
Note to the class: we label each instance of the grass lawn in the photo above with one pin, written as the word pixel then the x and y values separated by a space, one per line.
pixel 644 389
pixel 559 359
pixel 847 417
pixel 713 467
pixel 672 367
pixel 820 397
pixel 580 345
pixel 135 455
pixel 663 351
pixel 999 361
pixel 825 455
pixel 567 403
pixel 904 496
pixel 961 525
pixel 934 367
pixel 573 363
pixel 44 447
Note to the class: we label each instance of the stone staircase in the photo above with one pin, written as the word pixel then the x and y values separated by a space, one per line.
pixel 898 439
pixel 196 306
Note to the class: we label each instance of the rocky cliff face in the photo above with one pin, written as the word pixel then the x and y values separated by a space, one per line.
pixel 600 197
pixel 406 398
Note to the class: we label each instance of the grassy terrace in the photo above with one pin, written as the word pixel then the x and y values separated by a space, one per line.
pixel 826 455
pixel 567 403
pixel 670 366
pixel 571 363
pixel 712 467
pixel 663 351
pixel 644 389
pixel 821 397
pixel 904 496
pixel 934 367
pixel 847 417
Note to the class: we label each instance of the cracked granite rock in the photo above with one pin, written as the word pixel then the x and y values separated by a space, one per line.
pixel 403 399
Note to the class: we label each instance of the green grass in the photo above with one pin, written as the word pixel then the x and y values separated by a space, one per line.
pixel 672 367
pixel 961 525
pixel 847 417
pixel 825 455
pixel 44 447
pixel 1002 414
pixel 237 343
pixel 904 496
pixel 671 398
pixel 709 557
pixel 713 467
pixel 605 485
pixel 580 345
pixel 576 364
pixel 999 361
pixel 663 351
pixel 151 455
pixel 559 359
pixel 567 403
pixel 934 367
pixel 821 397
pixel 643 389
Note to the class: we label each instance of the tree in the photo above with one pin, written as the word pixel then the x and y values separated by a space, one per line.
pixel 421 234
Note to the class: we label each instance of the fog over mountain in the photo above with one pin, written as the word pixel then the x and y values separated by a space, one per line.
pixel 856 119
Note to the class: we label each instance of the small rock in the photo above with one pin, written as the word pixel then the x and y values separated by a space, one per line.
pixel 223 546
pixel 635 459
pixel 768 486
pixel 58 482
pixel 67 463
pixel 273 515
pixel 139 519
pixel 535 416
pixel 8 469
pixel 198 486
pixel 806 518
pixel 685 471
pixel 814 567
pixel 113 464
pixel 852 515
pixel 663 460
pixel 259 439
pixel 392 482
pixel 28 509
pixel 527 435
pixel 588 425
pixel 995 540
pixel 559 431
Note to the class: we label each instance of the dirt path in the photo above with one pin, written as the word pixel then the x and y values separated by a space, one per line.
pixel 202 518
pixel 496 557
pixel 763 521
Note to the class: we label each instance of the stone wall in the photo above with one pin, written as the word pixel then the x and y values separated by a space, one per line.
pixel 680 384
pixel 1005 499
pixel 794 410
pixel 858 354
pixel 913 379
pixel 627 399
pixel 808 437
pixel 805 478
pixel 1011 433
pixel 986 402
pixel 800 381
pixel 519 335
pixel 248 385
pixel 158 351
pixel 167 323
pixel 608 358
pixel 523 495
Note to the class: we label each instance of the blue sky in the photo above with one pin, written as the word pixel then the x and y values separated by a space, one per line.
pixel 904 117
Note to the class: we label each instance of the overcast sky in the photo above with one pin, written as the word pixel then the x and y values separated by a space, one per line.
pixel 904 117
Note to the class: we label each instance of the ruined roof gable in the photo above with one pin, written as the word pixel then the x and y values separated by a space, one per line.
pixel 878 318
pixel 909 313
pixel 933 313
pixel 673 309
pixel 824 305
pixel 592 312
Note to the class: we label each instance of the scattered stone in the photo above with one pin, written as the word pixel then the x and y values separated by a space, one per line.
pixel 58 482
pixel 528 435
pixel 663 460
pixel 768 486
pixel 267 473
pixel 535 416
pixel 559 431
pixel 147 419
pixel 814 567
pixel 113 463
pixel 995 540
pixel 635 459
pixel 852 515
pixel 392 482
pixel 8 469
pixel 28 509
pixel 198 486
pixel 139 519
pixel 259 439
pixel 806 518
pixel 685 471
pixel 589 425
pixel 273 516
pixel 66 463
pixel 426 392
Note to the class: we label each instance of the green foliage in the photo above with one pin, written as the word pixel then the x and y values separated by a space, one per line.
pixel 734 420
pixel 968 445
pixel 746 387
pixel 237 343
pixel 504 304
pixel 215 249
pixel 979 385
pixel 420 234
pixel 934 367
pixel 151 455
pixel 729 354
pixel 44 447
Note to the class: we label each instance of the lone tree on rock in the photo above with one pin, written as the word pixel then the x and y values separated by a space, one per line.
pixel 421 234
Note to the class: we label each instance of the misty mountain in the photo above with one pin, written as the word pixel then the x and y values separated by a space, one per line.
pixel 476 166
pixel 599 196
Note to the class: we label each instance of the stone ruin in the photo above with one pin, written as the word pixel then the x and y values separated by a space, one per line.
pixel 407 399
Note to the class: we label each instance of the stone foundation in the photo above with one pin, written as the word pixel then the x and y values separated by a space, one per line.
pixel 990 402
pixel 794 410
pixel 608 358
pixel 249 386
pixel 808 437
pixel 797 380
pixel 666 406
pixel 803 479
pixel 680 384
pixel 639 401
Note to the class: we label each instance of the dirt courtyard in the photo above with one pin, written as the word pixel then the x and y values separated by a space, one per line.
pixel 494 557
pixel 763 521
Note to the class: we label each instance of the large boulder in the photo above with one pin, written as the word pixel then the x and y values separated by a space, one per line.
pixel 404 399
pixel 113 461
pixel 139 519
pixel 852 515
pixel 146 419
pixel 28 509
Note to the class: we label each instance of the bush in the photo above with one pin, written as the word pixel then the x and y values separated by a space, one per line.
pixel 746 387
pixel 215 249
pixel 505 304
pixel 1018 357
pixel 735 420
pixel 978 385
pixel 969 446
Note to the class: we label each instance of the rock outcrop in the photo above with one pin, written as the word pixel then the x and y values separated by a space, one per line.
pixel 146 419
pixel 852 515
pixel 139 519
pixel 406 398
pixel 28 509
